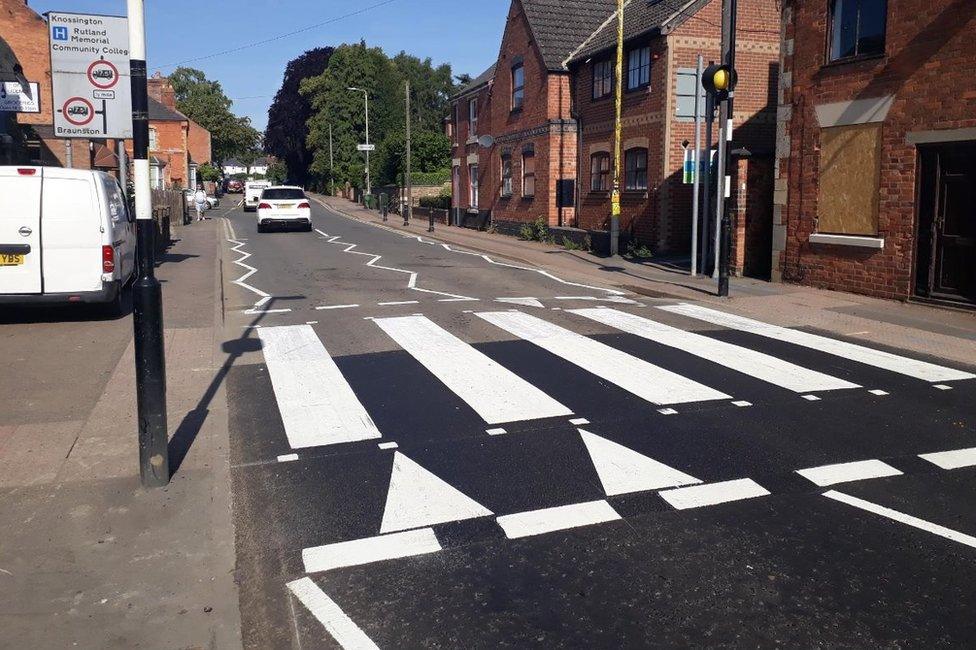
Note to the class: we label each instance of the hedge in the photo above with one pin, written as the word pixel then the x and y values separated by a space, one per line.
pixel 436 202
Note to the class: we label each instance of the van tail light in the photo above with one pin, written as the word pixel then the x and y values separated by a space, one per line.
pixel 264 206
pixel 304 206
pixel 26 171
pixel 108 259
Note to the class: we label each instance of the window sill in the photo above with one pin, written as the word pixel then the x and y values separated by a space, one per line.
pixel 853 59
pixel 857 241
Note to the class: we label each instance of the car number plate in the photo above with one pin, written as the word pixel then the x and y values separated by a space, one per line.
pixel 285 206
pixel 11 260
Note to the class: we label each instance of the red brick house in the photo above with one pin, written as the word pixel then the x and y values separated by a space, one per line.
pixel 876 148
pixel 662 44
pixel 523 102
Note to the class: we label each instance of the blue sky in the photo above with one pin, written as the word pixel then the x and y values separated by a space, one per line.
pixel 178 30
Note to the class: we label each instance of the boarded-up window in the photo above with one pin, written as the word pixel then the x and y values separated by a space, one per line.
pixel 850 166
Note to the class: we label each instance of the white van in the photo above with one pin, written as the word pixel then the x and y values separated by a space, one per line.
pixel 252 194
pixel 66 235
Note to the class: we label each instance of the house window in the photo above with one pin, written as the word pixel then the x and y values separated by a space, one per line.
pixel 518 86
pixel 638 68
pixel 155 177
pixel 153 140
pixel 600 172
pixel 473 186
pixel 602 79
pixel 636 166
pixel 506 176
pixel 850 169
pixel 528 174
pixel 473 118
pixel 857 28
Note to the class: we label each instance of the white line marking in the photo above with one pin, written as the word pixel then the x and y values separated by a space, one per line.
pixel 398 302
pixel 647 381
pixel 547 520
pixel 901 517
pixel 623 470
pixel 878 392
pixel 846 472
pixel 496 432
pixel 497 394
pixel 749 362
pixel 579 421
pixel 877 358
pixel 253 312
pixel 667 411
pixel 317 405
pixel 311 322
pixel 389 445
pixel 955 459
pixel 459 300
pixel 327 307
pixel 370 549
pixel 419 498
pixel 943 387
pixel 250 270
pixel 712 494
pixel 742 403
pixel 525 302
pixel 342 628
pixel 287 458
pixel 811 398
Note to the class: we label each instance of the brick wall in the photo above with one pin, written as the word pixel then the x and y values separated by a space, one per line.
pixel 199 143
pixel 25 32
pixel 926 71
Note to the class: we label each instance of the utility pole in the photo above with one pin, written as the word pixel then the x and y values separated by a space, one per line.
pixel 147 293
pixel 408 175
pixel 331 165
pixel 617 154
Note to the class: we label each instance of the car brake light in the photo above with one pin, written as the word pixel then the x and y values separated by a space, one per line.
pixel 264 206
pixel 108 259
pixel 26 171
pixel 304 206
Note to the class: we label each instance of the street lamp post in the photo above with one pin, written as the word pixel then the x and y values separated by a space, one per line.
pixel 369 185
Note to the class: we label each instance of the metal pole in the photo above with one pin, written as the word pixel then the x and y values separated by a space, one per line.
pixel 369 184
pixel 698 156
pixel 617 157
pixel 719 187
pixel 331 165
pixel 707 181
pixel 68 155
pixel 725 232
pixel 408 175
pixel 147 293
pixel 123 166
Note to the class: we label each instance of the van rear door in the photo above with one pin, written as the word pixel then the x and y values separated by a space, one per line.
pixel 71 231
pixel 20 230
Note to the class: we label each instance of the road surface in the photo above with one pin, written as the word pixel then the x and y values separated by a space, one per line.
pixel 434 448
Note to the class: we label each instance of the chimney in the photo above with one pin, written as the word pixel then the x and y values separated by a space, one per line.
pixel 162 91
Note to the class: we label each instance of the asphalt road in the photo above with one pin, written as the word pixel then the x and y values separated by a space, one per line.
pixel 483 464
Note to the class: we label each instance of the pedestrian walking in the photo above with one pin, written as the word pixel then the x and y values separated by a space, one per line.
pixel 200 201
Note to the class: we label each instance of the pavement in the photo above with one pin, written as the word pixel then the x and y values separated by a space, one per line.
pixel 462 440
pixel 89 559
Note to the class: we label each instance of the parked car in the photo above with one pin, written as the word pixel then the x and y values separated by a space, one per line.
pixel 234 187
pixel 66 236
pixel 212 201
pixel 284 205
pixel 252 194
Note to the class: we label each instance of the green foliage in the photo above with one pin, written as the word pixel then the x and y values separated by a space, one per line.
pixel 436 202
pixel 636 249
pixel 432 179
pixel 208 172
pixel 204 102
pixel 527 232
pixel 277 172
pixel 538 230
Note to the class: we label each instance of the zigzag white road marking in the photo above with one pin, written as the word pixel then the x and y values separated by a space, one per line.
pixel 411 283
pixel 250 270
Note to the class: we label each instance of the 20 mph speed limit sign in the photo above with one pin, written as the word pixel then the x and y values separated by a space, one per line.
pixel 90 75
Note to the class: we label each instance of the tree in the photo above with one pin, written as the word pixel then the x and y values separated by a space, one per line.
pixel 208 172
pixel 430 90
pixel 278 173
pixel 332 103
pixel 430 152
pixel 248 157
pixel 286 137
pixel 204 102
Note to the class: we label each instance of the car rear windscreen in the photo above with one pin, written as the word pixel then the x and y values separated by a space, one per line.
pixel 282 195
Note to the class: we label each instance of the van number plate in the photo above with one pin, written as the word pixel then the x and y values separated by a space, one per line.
pixel 11 260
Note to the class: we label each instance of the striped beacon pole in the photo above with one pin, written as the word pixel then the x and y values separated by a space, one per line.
pixel 146 291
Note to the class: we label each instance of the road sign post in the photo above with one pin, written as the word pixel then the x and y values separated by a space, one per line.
pixel 89 68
